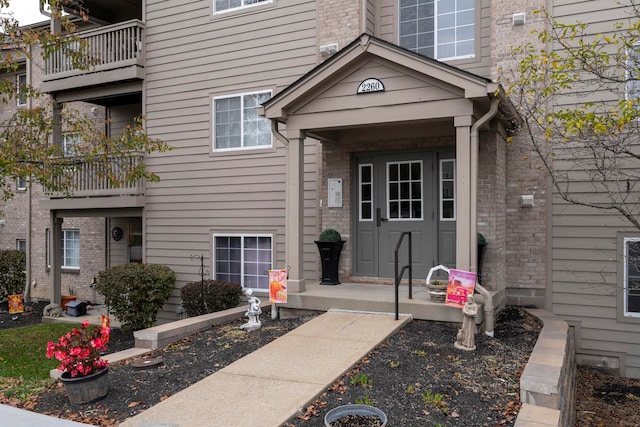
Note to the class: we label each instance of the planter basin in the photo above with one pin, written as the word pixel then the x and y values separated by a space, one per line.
pixel 342 411
pixel 88 388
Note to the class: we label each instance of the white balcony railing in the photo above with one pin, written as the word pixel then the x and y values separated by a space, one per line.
pixel 110 47
pixel 91 179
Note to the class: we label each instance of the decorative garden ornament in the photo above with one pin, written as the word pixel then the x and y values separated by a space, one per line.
pixel 466 338
pixel 253 312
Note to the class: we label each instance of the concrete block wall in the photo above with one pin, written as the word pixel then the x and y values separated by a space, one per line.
pixel 548 383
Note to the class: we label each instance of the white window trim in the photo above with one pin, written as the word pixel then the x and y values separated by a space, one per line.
pixel 213 121
pixel 242 262
pixel 422 216
pixel 441 181
pixel 360 201
pixel 625 289
pixel 435 35
pixel 244 6
pixel 19 91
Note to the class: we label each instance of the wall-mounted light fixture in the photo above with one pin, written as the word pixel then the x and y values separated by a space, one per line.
pixel 526 201
pixel 519 19
pixel 328 49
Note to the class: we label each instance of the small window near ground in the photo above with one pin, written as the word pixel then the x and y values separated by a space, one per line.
pixel 21 245
pixel 243 259
pixel 632 277
pixel 236 124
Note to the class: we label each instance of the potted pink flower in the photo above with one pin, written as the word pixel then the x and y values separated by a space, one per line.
pixel 83 370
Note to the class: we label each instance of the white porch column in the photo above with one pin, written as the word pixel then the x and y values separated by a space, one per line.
pixel 464 205
pixel 294 211
pixel 55 256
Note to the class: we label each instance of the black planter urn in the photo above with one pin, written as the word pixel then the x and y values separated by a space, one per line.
pixel 330 260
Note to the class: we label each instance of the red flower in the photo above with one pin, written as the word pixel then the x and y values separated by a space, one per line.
pixel 79 350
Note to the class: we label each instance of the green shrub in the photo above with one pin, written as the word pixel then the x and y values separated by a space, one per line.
pixel 135 292
pixel 12 272
pixel 210 296
pixel 330 235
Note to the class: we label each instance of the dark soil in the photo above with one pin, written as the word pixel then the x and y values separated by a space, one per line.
pixel 416 377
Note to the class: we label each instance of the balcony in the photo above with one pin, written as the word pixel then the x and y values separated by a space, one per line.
pixel 92 189
pixel 115 54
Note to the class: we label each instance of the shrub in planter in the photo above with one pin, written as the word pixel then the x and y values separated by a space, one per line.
pixel 210 296
pixel 135 292
pixel 329 245
pixel 12 272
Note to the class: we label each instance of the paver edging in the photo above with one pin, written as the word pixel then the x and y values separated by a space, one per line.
pixel 549 378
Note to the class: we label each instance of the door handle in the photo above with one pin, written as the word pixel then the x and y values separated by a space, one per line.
pixel 379 217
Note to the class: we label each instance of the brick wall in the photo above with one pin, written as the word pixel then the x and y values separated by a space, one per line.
pixel 338 22
pixel 525 248
pixel 16 216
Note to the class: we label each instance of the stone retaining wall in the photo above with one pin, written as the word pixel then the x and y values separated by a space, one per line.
pixel 548 383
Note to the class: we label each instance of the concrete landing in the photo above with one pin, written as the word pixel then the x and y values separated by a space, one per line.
pixel 276 381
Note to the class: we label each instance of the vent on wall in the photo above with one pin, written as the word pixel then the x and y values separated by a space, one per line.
pixel 328 49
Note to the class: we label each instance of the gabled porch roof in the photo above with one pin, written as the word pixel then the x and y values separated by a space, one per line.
pixel 413 89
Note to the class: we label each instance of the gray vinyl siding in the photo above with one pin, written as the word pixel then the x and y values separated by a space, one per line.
pixel 480 65
pixel 192 57
pixel 370 17
pixel 587 283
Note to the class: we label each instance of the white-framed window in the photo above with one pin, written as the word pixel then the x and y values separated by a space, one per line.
pixel 631 290
pixel 21 245
pixel 220 6
pixel 70 254
pixel 365 192
pixel 632 88
pixel 447 190
pixel 243 259
pixel 236 124
pixel 69 142
pixel 21 84
pixel 440 29
pixel 404 190
pixel 21 184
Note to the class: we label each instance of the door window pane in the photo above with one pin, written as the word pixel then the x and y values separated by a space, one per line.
pixel 366 192
pixel 447 190
pixel 404 190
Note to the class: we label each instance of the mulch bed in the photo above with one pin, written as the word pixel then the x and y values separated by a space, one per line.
pixel 416 377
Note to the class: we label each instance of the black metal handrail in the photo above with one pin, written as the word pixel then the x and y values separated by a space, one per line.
pixel 405 267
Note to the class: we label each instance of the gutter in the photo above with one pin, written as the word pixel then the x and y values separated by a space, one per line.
pixel 489 314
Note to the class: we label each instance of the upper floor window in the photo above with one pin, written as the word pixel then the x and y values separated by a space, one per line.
pixel 21 184
pixel 21 84
pixel 440 29
pixel 633 73
pixel 236 123
pixel 226 5
pixel 631 292
pixel 69 142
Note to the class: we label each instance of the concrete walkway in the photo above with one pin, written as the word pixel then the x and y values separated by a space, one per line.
pixel 272 384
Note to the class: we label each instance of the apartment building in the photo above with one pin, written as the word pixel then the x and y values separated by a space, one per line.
pixel 373 117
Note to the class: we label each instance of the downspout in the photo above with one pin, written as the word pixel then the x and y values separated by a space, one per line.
pixel 280 137
pixel 475 131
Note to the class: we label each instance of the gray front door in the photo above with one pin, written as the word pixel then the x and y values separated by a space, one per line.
pixel 395 193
